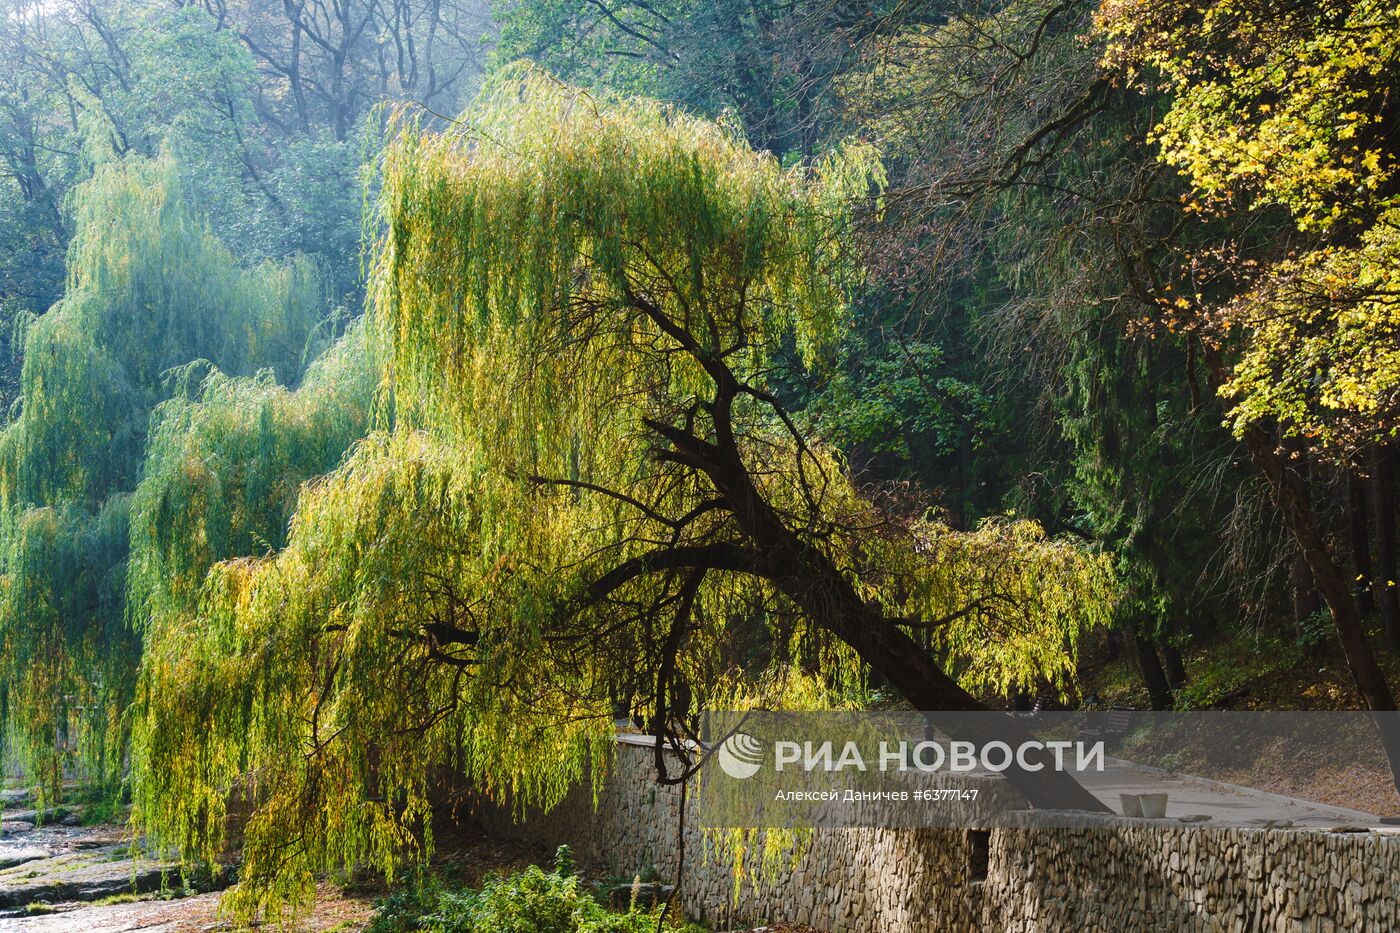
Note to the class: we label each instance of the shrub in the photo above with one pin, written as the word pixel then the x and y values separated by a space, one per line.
pixel 529 901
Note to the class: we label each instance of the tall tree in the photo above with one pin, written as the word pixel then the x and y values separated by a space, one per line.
pixel 773 65
pixel 1027 211
pixel 143 274
pixel 579 301
pixel 1288 108
pixel 265 106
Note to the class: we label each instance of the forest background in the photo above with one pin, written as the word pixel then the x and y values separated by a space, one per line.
pixel 1116 355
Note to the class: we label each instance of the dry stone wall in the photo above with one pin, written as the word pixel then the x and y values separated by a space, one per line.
pixel 1107 875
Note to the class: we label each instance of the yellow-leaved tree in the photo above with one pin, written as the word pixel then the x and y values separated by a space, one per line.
pixel 1283 118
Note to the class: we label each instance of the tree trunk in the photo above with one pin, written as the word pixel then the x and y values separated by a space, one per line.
pixel 1172 661
pixel 1387 593
pixel 1112 644
pixel 965 479
pixel 1290 495
pixel 1306 602
pixel 1357 508
pixel 827 597
pixel 1174 666
pixel 1305 598
pixel 1158 691
pixel 808 578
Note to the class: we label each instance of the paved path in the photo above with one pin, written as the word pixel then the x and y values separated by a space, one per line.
pixel 1225 804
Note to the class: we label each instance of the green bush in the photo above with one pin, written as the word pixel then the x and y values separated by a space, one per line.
pixel 529 901
pixel 404 911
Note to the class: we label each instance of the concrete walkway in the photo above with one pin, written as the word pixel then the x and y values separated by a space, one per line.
pixel 1225 804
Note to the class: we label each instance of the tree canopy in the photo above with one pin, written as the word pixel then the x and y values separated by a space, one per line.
pixel 1288 107
pixel 586 490
pixel 143 274
pixel 734 355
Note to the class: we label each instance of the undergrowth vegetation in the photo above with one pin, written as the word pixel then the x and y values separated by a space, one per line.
pixel 533 900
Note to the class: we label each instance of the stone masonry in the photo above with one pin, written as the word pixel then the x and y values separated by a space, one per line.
pixel 1108 874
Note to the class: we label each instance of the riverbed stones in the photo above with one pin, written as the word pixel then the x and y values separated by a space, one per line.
pixel 82 876
pixel 10 857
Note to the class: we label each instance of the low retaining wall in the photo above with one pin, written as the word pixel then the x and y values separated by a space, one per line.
pixel 1108 875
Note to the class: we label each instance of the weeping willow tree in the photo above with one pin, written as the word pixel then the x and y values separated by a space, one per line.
pixel 595 291
pixel 585 483
pixel 223 472
pixel 149 288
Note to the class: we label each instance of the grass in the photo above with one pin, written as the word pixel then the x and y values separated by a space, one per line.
pixel 1230 670
pixel 131 897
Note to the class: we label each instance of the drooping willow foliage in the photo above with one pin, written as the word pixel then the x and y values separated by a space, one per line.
pixel 68 657
pixel 1013 601
pixel 223 472
pixel 298 687
pixel 564 282
pixel 149 288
